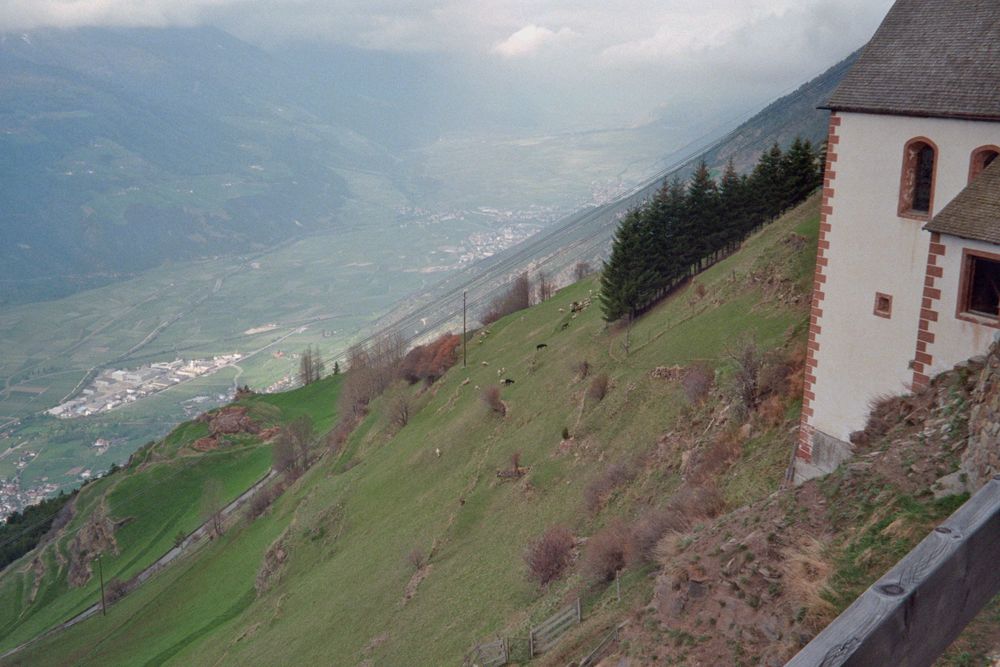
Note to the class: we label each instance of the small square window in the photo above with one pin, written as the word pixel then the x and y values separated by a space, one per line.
pixel 883 305
pixel 982 287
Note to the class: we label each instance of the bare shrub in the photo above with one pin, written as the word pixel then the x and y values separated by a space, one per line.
pixel 371 369
pixel 399 411
pixel 115 590
pixel 548 557
pixel 491 397
pixel 262 500
pixel 772 410
pixel 517 297
pixel 581 270
pixel 213 501
pixel 745 381
pixel 647 532
pixel 597 492
pixel 693 502
pixel 582 369
pixel 515 462
pixel 700 291
pixel 292 446
pixel 598 387
pixel 697 382
pixel 429 362
pixel 338 435
pixel 715 457
pixel 605 553
pixel 546 288
pixel 311 366
pixel 416 558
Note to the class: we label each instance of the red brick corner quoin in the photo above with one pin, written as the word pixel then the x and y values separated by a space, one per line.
pixel 804 450
pixel 922 358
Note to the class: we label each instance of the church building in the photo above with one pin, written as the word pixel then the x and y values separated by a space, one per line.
pixel 907 278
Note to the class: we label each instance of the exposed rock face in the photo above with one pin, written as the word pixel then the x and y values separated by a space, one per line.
pixel 96 537
pixel 982 455
pixel 232 420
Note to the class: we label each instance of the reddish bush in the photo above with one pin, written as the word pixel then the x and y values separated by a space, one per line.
pixel 582 369
pixel 549 556
pixel 696 382
pixel 429 362
pixel 491 397
pixel 598 387
pixel 649 530
pixel 605 554
pixel 596 493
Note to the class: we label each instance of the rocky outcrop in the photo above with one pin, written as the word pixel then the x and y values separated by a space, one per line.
pixel 95 538
pixel 981 460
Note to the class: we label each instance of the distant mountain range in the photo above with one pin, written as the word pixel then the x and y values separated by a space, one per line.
pixel 122 149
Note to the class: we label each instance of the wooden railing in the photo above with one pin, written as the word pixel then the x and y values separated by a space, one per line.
pixel 543 637
pixel 911 615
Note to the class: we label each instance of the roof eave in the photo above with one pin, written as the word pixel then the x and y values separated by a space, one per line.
pixel 877 111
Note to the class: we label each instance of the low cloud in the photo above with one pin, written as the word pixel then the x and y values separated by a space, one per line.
pixel 626 56
pixel 529 40
pixel 32 14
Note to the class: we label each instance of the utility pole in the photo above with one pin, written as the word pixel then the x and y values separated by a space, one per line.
pixel 465 339
pixel 100 569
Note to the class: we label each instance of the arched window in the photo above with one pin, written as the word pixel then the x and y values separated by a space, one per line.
pixel 982 157
pixel 916 191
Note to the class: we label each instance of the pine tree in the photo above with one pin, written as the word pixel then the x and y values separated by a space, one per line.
pixel 766 183
pixel 703 216
pixel 629 280
pixel 734 205
pixel 799 173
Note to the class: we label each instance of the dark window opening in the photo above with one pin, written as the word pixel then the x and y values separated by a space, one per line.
pixel 984 287
pixel 916 191
pixel 883 305
pixel 924 179
pixel 981 159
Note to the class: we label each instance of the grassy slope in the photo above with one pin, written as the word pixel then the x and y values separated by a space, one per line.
pixel 163 496
pixel 349 523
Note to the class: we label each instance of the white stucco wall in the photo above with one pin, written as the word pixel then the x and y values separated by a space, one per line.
pixel 955 339
pixel 862 356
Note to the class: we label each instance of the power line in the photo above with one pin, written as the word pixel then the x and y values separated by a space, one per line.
pixel 554 237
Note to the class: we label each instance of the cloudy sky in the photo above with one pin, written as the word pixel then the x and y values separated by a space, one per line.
pixel 623 58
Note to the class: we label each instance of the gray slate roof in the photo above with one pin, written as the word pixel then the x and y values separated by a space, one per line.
pixel 975 212
pixel 938 58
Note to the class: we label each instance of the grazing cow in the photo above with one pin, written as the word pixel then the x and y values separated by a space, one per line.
pixel 437 452
pixel 541 346
pixel 486 363
pixel 508 382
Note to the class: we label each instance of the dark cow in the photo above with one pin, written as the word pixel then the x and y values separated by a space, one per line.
pixel 541 346
pixel 508 381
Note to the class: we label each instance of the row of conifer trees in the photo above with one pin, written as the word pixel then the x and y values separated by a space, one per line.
pixel 686 227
